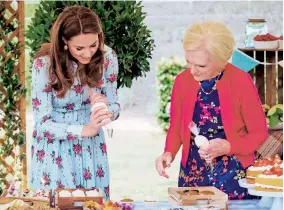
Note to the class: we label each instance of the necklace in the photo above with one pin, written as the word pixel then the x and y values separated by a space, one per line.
pixel 213 88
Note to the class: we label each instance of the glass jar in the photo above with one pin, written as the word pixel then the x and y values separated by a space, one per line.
pixel 254 27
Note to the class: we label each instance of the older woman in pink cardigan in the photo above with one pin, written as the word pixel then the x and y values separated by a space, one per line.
pixel 222 102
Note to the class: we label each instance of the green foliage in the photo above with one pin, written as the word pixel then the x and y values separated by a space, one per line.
pixel 123 26
pixel 168 69
pixel 11 90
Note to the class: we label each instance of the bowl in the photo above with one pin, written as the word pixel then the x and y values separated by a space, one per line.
pixel 280 44
pixel 266 44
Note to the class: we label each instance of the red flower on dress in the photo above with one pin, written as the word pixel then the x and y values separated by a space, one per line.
pixel 71 137
pixel 70 106
pixel 100 83
pixel 106 190
pixel 33 151
pixel 34 133
pixel 46 179
pixel 100 172
pixel 106 64
pixel 112 78
pixel 78 89
pixel 59 162
pixel 59 184
pixel 103 148
pixel 36 103
pixel 40 155
pixel 45 118
pixel 87 174
pixel 48 89
pixel 38 64
pixel 77 148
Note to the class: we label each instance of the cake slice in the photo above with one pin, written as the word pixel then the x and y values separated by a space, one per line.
pixel 258 168
pixel 270 180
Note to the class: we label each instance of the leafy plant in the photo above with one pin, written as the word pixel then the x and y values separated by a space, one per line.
pixel 274 115
pixel 168 69
pixel 123 26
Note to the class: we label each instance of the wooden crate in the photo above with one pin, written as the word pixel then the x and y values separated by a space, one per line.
pixel 268 78
pixel 71 202
pixel 178 197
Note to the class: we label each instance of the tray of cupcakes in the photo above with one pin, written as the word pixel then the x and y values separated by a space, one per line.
pixel 15 192
pixel 205 197
pixel 74 198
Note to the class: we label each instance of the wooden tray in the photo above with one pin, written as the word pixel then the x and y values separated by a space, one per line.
pixel 71 202
pixel 31 200
pixel 215 196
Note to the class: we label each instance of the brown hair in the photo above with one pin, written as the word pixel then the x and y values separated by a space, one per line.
pixel 73 21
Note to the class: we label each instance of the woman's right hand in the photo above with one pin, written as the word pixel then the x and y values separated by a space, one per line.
pixel 97 120
pixel 97 97
pixel 162 162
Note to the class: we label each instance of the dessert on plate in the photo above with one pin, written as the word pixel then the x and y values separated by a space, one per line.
pixel 260 166
pixel 270 180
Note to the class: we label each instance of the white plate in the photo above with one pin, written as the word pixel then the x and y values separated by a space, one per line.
pixel 243 183
pixel 267 194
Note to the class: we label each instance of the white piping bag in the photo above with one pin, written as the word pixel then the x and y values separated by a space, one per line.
pixel 108 120
pixel 199 139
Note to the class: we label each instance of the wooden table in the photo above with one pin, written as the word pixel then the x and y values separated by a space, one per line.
pixel 232 205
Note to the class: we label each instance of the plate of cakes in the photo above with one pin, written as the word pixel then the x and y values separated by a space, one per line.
pixel 125 204
pixel 265 176
pixel 270 182
pixel 93 205
pixel 16 192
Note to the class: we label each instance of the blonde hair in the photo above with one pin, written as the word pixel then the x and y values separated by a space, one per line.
pixel 215 36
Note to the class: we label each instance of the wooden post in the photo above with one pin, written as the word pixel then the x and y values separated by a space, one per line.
pixel 280 80
pixel 271 81
pixel 21 13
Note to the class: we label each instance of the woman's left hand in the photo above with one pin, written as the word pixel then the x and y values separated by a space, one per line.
pixel 217 147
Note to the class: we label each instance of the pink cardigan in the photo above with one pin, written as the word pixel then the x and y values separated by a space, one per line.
pixel 241 111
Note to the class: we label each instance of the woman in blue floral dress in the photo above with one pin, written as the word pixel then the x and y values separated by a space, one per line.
pixel 68 145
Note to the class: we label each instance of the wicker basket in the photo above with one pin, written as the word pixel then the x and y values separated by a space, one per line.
pixel 272 146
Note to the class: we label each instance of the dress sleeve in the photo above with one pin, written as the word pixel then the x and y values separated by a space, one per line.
pixel 110 88
pixel 42 104
pixel 173 139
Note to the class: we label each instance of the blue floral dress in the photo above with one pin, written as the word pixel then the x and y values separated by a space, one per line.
pixel 227 170
pixel 60 157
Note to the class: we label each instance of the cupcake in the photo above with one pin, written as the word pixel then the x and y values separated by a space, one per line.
pixel 78 193
pixel 92 193
pixel 65 193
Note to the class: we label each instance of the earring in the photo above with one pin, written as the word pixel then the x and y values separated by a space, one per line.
pixel 65 47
